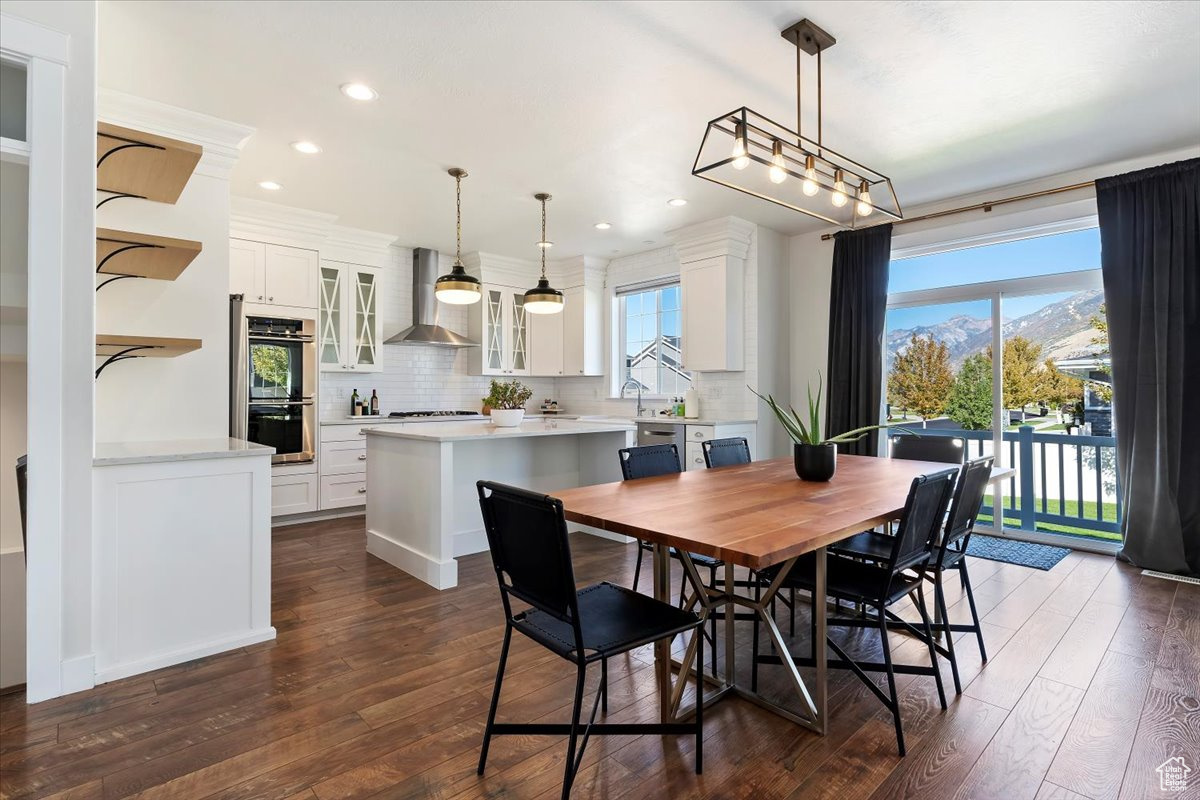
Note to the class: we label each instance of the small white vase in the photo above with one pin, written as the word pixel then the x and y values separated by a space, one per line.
pixel 507 417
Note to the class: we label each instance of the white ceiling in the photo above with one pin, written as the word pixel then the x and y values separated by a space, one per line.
pixel 603 104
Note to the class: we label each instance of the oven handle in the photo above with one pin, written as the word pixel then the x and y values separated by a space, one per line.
pixel 305 339
pixel 281 402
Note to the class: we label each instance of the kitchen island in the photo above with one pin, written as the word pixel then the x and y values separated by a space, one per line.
pixel 422 505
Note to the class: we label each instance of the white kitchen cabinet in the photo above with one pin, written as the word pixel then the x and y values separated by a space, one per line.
pixel 349 322
pixel 546 345
pixel 293 494
pixel 713 317
pixel 247 270
pixel 582 331
pixel 502 328
pixel 343 491
pixel 273 274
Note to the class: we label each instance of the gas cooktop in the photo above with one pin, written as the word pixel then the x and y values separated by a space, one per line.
pixel 434 414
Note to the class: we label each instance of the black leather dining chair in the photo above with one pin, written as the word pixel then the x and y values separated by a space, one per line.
pixel 531 555
pixel 650 461
pixel 880 585
pixel 950 553
pixel 725 452
pixel 913 447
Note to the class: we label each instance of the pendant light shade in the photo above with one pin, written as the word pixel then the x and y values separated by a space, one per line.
pixel 457 287
pixel 543 298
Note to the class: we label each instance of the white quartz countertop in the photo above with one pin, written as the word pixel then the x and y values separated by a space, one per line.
pixel 112 453
pixel 478 430
pixel 673 420
pixel 384 419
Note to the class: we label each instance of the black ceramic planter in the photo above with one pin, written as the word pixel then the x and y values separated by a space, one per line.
pixel 815 462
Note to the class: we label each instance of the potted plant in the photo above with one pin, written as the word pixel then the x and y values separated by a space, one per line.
pixel 507 400
pixel 814 457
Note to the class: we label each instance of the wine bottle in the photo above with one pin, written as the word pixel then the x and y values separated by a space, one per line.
pixel 354 403
pixel 374 403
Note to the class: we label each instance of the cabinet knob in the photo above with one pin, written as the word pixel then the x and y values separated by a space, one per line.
pixel 271 299
pixel 362 490
pixel 354 366
pixel 260 297
pixel 698 435
pixel 362 432
pixel 363 457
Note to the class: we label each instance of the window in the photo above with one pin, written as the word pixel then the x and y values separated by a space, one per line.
pixel 1038 302
pixel 650 339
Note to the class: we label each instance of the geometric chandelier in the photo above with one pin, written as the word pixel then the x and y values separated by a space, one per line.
pixel 751 153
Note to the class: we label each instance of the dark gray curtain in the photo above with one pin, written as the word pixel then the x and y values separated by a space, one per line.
pixel 1150 255
pixel 857 304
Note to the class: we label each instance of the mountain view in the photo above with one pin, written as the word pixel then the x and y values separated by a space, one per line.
pixel 1062 328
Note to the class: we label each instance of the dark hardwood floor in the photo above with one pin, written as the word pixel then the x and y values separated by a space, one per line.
pixel 377 686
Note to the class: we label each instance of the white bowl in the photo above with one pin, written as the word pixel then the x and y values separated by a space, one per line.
pixel 507 417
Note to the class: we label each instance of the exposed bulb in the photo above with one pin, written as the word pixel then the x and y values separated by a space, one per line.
pixel 778 171
pixel 741 157
pixel 839 190
pixel 810 185
pixel 864 207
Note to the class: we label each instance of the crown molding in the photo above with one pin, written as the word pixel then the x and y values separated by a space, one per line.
pixel 725 236
pixel 221 139
pixel 261 221
pixel 357 246
pixel 577 271
pixel 507 271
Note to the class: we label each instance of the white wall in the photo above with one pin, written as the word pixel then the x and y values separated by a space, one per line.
pixel 170 398
pixel 417 376
pixel 811 259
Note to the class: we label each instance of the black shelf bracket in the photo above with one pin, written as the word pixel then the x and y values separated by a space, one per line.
pixel 117 196
pixel 123 355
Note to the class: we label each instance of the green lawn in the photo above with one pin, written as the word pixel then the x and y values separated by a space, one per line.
pixel 1012 518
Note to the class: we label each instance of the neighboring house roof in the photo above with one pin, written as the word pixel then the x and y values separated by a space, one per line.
pixel 672 356
pixel 1093 368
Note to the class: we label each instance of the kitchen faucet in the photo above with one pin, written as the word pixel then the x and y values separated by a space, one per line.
pixel 638 385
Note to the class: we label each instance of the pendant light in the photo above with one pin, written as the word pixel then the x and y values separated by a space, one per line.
pixel 751 153
pixel 542 299
pixel 458 288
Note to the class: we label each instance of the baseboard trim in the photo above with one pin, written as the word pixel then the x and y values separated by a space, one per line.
pixel 438 574
pixel 468 543
pixel 126 669
pixel 317 516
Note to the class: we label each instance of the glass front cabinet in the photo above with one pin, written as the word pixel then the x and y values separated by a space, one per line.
pixel 501 326
pixel 349 327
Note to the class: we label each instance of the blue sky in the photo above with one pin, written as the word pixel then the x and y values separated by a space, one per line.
pixel 1043 255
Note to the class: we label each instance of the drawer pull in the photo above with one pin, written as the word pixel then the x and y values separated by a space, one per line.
pixel 362 431
pixel 698 435
pixel 362 490
pixel 363 457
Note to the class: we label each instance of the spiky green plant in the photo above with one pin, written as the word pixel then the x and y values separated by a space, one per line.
pixel 801 433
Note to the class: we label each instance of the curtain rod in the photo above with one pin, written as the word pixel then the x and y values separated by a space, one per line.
pixel 985 206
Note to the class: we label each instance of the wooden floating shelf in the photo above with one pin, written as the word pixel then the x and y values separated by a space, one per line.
pixel 139 164
pixel 143 255
pixel 113 348
pixel 110 344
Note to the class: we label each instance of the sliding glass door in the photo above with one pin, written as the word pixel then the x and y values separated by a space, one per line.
pixel 1018 367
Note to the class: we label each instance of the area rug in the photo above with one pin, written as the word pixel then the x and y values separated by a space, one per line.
pixel 1010 551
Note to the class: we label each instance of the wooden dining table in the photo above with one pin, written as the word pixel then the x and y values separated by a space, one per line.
pixel 754 515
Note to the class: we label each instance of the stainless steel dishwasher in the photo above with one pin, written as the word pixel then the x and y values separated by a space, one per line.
pixel 662 433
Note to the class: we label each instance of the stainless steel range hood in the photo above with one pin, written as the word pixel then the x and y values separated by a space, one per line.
pixel 425 328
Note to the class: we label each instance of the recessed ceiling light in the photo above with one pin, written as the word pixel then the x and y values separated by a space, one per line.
pixel 359 91
pixel 308 148
pixel 603 226
pixel 270 186
pixel 677 201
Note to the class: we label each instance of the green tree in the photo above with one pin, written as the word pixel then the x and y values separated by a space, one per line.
pixel 1099 323
pixel 1058 388
pixel 921 377
pixel 271 368
pixel 970 402
pixel 1022 375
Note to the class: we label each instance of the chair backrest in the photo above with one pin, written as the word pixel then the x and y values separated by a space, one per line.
pixel 946 449
pixel 968 500
pixel 726 452
pixel 649 461
pixel 924 510
pixel 527 536
pixel 22 482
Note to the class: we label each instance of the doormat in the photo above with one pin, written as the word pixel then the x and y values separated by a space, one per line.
pixel 1011 551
